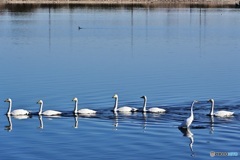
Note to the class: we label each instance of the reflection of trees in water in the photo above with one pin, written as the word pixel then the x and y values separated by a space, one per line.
pixel 18 8
pixel 14 8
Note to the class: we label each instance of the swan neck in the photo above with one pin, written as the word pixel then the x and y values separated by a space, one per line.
pixel 192 109
pixel 212 109
pixel 40 109
pixel 145 105
pixel 9 108
pixel 115 105
pixel 76 107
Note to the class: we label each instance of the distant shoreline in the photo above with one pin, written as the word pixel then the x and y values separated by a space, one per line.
pixel 142 3
pixel 122 2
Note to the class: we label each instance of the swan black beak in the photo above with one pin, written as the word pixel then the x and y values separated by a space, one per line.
pixel 142 97
pixel 6 100
pixel 209 101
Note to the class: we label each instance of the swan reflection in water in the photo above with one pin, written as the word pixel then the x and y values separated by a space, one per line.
pixel 115 124
pixel 86 115
pixel 40 118
pixel 52 116
pixel 144 114
pixel 40 121
pixel 21 116
pixel 211 124
pixel 187 133
pixel 76 121
pixel 9 127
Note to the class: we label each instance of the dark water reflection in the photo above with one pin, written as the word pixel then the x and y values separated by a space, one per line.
pixel 34 7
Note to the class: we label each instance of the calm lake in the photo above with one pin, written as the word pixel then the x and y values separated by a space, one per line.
pixel 171 55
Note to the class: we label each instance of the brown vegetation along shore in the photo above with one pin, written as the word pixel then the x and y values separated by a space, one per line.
pixel 153 3
pixel 221 2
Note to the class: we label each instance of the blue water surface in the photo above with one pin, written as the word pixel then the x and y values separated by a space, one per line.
pixel 171 55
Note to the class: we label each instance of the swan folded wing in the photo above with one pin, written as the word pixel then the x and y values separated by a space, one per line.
pixel 223 114
pixel 125 109
pixel 86 111
pixel 19 112
pixel 187 122
pixel 156 110
pixel 51 113
pixel 184 124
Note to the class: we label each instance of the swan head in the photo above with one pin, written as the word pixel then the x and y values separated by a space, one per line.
pixel 195 101
pixel 75 99
pixel 115 96
pixel 40 102
pixel 144 97
pixel 211 101
pixel 8 100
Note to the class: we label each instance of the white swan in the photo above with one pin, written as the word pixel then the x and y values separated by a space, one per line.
pixel 16 112
pixel 187 122
pixel 122 109
pixel 82 111
pixel 47 112
pixel 152 110
pixel 218 113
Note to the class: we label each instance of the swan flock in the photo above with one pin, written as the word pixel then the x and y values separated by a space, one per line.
pixel 85 111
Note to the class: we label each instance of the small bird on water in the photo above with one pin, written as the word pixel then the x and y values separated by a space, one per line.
pixel 79 27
